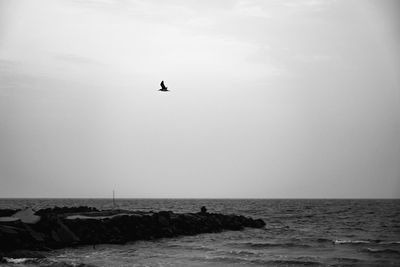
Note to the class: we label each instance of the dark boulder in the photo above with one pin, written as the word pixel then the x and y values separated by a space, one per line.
pixel 203 210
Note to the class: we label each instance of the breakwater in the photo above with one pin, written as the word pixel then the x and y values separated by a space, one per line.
pixel 73 226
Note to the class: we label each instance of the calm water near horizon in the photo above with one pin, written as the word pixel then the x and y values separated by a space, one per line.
pixel 316 232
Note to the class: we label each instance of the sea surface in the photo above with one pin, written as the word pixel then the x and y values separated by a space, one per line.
pixel 298 232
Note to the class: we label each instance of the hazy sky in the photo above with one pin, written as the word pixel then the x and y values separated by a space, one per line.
pixel 268 98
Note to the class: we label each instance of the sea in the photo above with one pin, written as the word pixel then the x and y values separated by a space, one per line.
pixel 298 232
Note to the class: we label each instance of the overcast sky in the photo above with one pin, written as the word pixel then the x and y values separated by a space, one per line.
pixel 269 99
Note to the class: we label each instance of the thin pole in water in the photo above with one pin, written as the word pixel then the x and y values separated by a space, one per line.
pixel 113 199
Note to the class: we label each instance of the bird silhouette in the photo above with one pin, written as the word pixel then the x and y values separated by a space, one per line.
pixel 163 87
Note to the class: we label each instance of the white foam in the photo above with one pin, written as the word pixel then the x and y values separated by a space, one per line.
pixel 18 260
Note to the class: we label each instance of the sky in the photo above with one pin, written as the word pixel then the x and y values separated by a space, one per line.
pixel 268 99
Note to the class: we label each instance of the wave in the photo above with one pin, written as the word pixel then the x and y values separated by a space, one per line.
pixel 390 242
pixel 189 247
pixel 44 262
pixel 19 260
pixel 343 260
pixel 348 241
pixel 384 250
pixel 338 242
pixel 241 253
pixel 260 261
pixel 269 245
pixel 323 240
pixel 287 263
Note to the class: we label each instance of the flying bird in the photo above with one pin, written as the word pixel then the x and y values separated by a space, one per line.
pixel 163 87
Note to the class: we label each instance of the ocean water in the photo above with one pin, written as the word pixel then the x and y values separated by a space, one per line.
pixel 298 232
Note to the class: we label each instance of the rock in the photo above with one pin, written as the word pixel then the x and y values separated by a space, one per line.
pixel 203 210
pixel 57 230
pixel 35 235
pixel 8 230
pixel 64 234
pixel 27 216
pixel 163 218
pixel 7 212
pixel 258 223
pixel 15 237
pixel 64 210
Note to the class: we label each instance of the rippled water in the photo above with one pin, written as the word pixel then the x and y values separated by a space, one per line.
pixel 298 232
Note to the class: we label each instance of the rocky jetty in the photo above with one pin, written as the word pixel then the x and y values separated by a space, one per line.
pixel 64 227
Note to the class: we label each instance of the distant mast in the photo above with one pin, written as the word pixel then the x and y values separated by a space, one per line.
pixel 113 199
